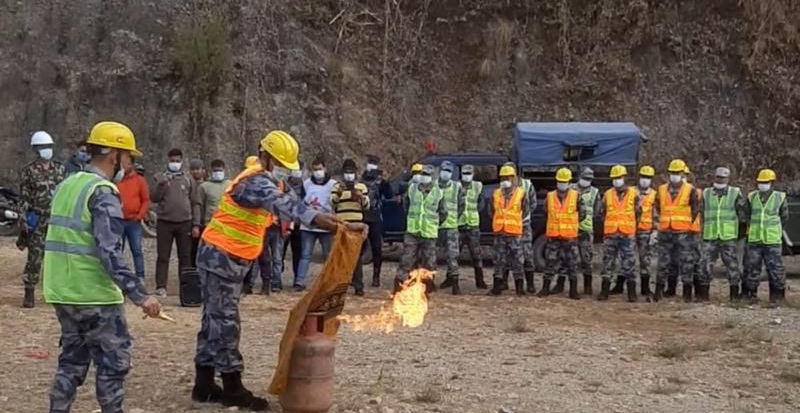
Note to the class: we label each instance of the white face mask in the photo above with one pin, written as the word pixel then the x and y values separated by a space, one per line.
pixel 645 182
pixel 297 174
pixel 119 175
pixel 562 186
pixel 445 175
pixel 415 178
pixel 618 183
pixel 46 153
pixel 424 179
pixel 720 186
pixel 466 177
pixel 174 166
pixel 280 173
pixel 584 183
pixel 675 179
pixel 505 184
pixel 319 173
pixel 217 176
pixel 372 167
pixel 349 177
pixel 764 187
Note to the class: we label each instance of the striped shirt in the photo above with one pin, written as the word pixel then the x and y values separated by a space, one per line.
pixel 346 204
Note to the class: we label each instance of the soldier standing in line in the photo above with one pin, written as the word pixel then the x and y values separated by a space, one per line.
pixel 508 208
pixel 647 229
pixel 701 284
pixel 448 230
pixel 469 223
pixel 591 204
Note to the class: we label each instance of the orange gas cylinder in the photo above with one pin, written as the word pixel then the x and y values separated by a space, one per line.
pixel 310 385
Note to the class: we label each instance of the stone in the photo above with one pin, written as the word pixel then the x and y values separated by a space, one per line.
pixel 375 400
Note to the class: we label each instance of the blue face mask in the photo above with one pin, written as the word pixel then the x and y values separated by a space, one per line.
pixel 83 157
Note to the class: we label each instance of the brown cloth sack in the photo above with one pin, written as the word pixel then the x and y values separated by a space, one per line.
pixel 325 296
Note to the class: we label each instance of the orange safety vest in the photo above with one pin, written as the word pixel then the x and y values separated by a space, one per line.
pixel 620 215
pixel 676 214
pixel 507 214
pixel 646 220
pixel 562 219
pixel 237 230
pixel 697 225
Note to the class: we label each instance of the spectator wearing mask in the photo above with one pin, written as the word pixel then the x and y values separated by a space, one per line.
pixel 135 197
pixel 77 161
pixel 378 190
pixel 209 194
pixel 175 192
pixel 317 195
pixel 350 200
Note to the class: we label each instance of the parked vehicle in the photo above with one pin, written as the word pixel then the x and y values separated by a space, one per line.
pixel 9 212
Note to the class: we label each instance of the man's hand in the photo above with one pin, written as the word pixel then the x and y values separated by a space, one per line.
pixel 161 179
pixel 195 232
pixel 358 227
pixel 327 222
pixel 151 307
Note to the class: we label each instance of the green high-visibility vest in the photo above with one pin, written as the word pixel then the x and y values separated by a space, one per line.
pixel 423 212
pixel 450 194
pixel 765 219
pixel 719 215
pixel 471 216
pixel 72 270
pixel 588 198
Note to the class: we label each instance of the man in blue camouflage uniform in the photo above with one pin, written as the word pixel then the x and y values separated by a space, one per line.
pixel 452 193
pixel 92 332
pixel 591 203
pixel 469 222
pixel 37 184
pixel 221 274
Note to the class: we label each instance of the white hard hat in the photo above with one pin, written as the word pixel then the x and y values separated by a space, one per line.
pixel 41 138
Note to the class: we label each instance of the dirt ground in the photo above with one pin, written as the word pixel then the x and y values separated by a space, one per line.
pixel 474 354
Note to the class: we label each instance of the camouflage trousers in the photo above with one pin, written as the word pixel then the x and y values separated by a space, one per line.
pixel 699 270
pixel 449 241
pixel 727 250
pixel 770 257
pixel 586 251
pixel 508 254
pixel 527 249
pixel 676 249
pixel 645 251
pixel 621 246
pixel 560 257
pixel 220 326
pixel 33 267
pixel 417 252
pixel 92 334
pixel 471 237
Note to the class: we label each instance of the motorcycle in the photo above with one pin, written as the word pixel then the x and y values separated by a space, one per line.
pixel 9 212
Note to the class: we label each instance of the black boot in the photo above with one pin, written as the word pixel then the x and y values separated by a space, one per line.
pixel 205 390
pixel 605 285
pixel 687 293
pixel 631 287
pixel 519 287
pixel 247 290
pixel 573 289
pixel 545 291
pixel 398 285
pixel 235 394
pixel 618 286
pixel 504 284
pixel 28 301
pixel 658 293
pixel 559 288
pixel 646 286
pixel 447 283
pixel 456 287
pixel 376 274
pixel 706 293
pixel 496 287
pixel 672 284
pixel 753 294
pixel 780 297
pixel 587 284
pixel 265 290
pixel 531 288
pixel 775 296
pixel 479 282
pixel 734 292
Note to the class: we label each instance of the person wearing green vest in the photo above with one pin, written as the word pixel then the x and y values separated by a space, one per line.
pixel 425 211
pixel 453 196
pixel 85 275
pixel 469 222
pixel 724 208
pixel 768 215
pixel 591 204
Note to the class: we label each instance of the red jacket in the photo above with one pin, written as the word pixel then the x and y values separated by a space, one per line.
pixel 135 196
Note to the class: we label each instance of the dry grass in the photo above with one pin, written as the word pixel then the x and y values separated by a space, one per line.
pixel 672 350
pixel 498 37
pixel 666 389
pixel 731 321
pixel 519 325
pixel 430 394
pixel 789 376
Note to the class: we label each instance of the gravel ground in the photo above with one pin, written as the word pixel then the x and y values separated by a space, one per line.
pixel 474 354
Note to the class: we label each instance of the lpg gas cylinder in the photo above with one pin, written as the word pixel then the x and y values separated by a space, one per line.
pixel 309 388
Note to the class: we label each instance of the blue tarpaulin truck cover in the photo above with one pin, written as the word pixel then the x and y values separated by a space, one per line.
pixel 555 144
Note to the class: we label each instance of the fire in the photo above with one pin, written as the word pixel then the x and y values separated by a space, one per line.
pixel 408 307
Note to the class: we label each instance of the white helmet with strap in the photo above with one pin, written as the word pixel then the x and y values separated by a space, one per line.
pixel 41 138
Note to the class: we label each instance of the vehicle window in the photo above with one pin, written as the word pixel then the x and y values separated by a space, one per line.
pixel 486 173
pixel 576 153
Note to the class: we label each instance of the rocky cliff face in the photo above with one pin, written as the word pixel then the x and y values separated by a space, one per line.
pixel 713 82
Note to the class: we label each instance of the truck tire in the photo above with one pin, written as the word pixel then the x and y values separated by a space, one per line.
pixel 538 252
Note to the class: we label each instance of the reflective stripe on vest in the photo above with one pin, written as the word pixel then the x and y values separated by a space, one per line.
pixel 507 213
pixel 237 230
pixel 450 194
pixel 620 214
pixel 588 199
pixel 719 214
pixel 72 271
pixel 697 224
pixel 646 204
pixel 562 219
pixel 471 216
pixel 423 212
pixel 676 214
pixel 765 219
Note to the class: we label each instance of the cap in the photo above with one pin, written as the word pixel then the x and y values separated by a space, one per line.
pixel 427 169
pixel 467 169
pixel 722 172
pixel 587 173
pixel 447 166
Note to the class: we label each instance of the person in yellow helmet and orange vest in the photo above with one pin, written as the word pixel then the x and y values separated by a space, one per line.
pixel 508 208
pixel 231 243
pixel 647 228
pixel 768 214
pixel 620 211
pixel 677 204
pixel 564 213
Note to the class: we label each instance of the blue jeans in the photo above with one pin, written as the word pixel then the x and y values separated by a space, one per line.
pixel 276 246
pixel 308 239
pixel 132 234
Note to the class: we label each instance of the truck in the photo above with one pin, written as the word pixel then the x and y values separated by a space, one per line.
pixel 538 150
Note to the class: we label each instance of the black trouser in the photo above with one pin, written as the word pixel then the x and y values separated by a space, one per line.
pixel 358 273
pixel 376 242
pixel 166 232
pixel 294 242
pixel 195 243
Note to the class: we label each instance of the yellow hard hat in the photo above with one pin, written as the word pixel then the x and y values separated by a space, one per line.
pixel 677 165
pixel 766 175
pixel 113 135
pixel 686 170
pixel 563 175
pixel 251 161
pixel 282 147
pixel 618 171
pixel 647 170
pixel 507 170
pixel 417 167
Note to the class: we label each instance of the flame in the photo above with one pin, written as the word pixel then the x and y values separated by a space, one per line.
pixel 408 307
